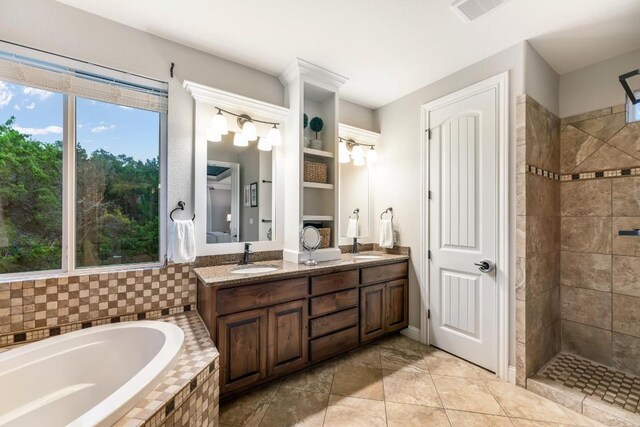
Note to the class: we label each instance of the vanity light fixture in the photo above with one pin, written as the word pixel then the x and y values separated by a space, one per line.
pixel 249 132
pixel 357 152
pixel 264 144
pixel 240 140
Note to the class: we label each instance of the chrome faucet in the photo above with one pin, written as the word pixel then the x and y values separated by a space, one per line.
pixel 354 248
pixel 247 254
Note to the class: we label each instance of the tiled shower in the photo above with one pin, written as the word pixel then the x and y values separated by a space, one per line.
pixel 578 280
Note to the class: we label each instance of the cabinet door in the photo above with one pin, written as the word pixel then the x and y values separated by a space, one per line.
pixel 397 309
pixel 288 346
pixel 372 312
pixel 242 343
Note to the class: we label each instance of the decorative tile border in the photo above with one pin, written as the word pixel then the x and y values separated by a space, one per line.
pixel 542 172
pixel 611 173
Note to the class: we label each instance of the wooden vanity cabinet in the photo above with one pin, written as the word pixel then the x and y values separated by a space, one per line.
pixel 269 329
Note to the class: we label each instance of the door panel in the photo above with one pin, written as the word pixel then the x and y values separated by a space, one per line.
pixel 397 299
pixel 288 347
pixel 463 227
pixel 372 311
pixel 242 339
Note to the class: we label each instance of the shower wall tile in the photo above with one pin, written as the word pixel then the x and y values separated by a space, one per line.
pixel 576 146
pixel 626 314
pixel 603 127
pixel 586 306
pixel 586 234
pixel 625 245
pixel 626 197
pixel 585 270
pixel 626 353
pixel 606 157
pixel 587 341
pixel 628 140
pixel 626 275
pixel 586 198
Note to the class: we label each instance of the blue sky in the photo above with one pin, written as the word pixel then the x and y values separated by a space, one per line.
pixel 117 129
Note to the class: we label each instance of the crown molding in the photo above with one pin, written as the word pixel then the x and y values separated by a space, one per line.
pixel 231 101
pixel 358 134
pixel 301 69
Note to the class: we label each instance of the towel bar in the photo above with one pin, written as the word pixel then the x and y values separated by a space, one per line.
pixel 389 211
pixel 180 208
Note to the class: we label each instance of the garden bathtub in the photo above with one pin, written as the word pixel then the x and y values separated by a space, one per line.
pixel 90 377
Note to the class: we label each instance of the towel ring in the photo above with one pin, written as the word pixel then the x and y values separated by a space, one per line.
pixel 389 211
pixel 356 212
pixel 180 208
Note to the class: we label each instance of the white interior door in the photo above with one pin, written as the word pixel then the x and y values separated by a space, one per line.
pixel 463 220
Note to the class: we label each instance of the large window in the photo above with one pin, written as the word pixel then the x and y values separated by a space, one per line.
pixel 117 176
pixel 31 126
pixel 113 172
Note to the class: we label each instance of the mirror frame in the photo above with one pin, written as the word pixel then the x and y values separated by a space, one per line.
pixel 206 99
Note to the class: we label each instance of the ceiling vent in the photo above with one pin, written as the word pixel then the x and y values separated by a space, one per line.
pixel 470 10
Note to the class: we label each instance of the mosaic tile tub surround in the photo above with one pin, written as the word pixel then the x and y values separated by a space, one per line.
pixel 188 395
pixel 36 309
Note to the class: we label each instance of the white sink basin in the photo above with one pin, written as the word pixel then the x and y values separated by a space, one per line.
pixel 367 257
pixel 254 270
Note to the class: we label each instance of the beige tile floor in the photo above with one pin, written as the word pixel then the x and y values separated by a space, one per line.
pixel 395 382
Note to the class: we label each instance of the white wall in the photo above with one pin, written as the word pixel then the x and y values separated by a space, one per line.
pixel 398 168
pixel 357 116
pixel 541 82
pixel 597 86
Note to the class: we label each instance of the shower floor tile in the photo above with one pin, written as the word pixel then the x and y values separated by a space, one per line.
pixel 607 384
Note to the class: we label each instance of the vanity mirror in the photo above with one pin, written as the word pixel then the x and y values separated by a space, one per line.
pixel 310 237
pixel 239 192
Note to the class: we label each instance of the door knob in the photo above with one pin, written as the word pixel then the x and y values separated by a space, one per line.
pixel 485 266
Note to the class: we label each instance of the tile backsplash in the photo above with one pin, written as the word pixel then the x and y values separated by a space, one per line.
pixel 37 308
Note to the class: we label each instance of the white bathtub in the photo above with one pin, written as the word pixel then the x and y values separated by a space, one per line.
pixel 90 377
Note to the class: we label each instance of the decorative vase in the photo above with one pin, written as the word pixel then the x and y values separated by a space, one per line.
pixel 307 142
pixel 316 144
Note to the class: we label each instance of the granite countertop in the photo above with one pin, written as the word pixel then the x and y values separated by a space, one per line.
pixel 221 275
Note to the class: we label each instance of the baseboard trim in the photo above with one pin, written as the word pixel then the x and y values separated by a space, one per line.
pixel 412 332
pixel 511 374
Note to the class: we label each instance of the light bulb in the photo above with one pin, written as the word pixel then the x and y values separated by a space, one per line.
pixel 372 155
pixel 249 131
pixel 275 138
pixel 343 153
pixel 213 136
pixel 264 144
pixel 357 154
pixel 219 124
pixel 239 140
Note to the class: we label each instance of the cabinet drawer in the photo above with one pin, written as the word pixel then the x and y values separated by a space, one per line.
pixel 242 298
pixel 384 273
pixel 333 302
pixel 333 322
pixel 334 282
pixel 333 344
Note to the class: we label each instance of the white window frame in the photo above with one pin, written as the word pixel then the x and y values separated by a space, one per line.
pixel 68 241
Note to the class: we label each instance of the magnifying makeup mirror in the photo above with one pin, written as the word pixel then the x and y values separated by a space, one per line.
pixel 310 237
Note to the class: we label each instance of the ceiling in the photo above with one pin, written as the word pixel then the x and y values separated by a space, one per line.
pixel 386 48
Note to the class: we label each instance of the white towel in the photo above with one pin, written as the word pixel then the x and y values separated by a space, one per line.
pixel 352 228
pixel 182 242
pixel 386 233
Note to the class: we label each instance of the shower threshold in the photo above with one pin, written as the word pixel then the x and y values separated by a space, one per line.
pixel 597 391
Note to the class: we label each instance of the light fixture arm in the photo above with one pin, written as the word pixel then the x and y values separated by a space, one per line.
pixel 245 117
pixel 351 143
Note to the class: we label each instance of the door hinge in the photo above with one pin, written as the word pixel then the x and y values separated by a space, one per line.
pixel 429 254
pixel 428 134
pixel 428 314
pixel 429 195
